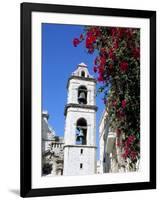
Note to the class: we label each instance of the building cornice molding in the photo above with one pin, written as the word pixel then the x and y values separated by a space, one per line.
pixel 80 146
pixel 81 78
pixel 84 106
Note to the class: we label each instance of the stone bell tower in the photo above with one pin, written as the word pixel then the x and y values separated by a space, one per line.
pixel 80 126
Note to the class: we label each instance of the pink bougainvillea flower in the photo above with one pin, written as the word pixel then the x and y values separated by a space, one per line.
pixel 81 37
pixel 95 69
pixel 133 155
pixel 121 32
pixel 114 103
pixel 124 103
pixel 116 45
pixel 117 49
pixel 90 50
pixel 113 31
pixel 96 61
pixel 103 60
pixel 90 40
pixel 124 66
pixel 111 55
pixel 100 78
pixel 131 139
pixel 94 31
pixel 101 69
pixel 103 52
pixel 136 53
pixel 120 113
pixel 75 42
pixel 129 33
pixel 126 152
pixel 97 32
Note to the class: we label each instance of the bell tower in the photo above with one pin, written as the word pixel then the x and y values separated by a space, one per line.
pixel 80 125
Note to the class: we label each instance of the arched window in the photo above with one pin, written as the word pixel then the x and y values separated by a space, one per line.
pixel 81 132
pixel 83 74
pixel 82 95
pixel 59 171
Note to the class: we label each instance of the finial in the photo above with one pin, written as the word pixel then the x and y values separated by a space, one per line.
pixel 82 65
pixel 45 114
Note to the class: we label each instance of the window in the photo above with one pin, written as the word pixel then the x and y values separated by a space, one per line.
pixel 83 74
pixel 81 165
pixel 81 132
pixel 47 168
pixel 59 172
pixel 82 95
pixel 81 151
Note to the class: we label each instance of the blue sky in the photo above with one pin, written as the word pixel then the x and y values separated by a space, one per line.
pixel 59 59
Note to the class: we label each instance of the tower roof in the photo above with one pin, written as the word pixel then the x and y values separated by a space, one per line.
pixel 45 114
pixel 82 71
pixel 82 64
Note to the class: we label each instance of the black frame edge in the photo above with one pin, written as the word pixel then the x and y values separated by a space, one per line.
pixel 153 99
pixel 74 9
pixel 25 89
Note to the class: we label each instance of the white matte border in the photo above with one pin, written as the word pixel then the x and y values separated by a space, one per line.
pixel 48 182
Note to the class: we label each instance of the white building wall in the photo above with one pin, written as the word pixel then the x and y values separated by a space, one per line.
pixel 73 91
pixel 72 151
pixel 73 114
pixel 74 158
pixel 104 160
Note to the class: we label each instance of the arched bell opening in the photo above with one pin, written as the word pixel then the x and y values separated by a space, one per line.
pixel 81 132
pixel 82 95
pixel 83 74
pixel 59 171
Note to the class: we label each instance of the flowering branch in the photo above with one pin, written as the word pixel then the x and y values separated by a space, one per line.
pixel 118 67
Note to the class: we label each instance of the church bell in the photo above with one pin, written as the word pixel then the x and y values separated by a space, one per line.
pixel 80 135
pixel 82 98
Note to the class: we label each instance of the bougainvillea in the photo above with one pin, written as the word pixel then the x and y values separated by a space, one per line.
pixel 118 67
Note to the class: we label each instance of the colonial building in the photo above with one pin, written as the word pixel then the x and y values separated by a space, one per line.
pixel 80 124
pixel 52 149
pixel 111 159
pixel 104 163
